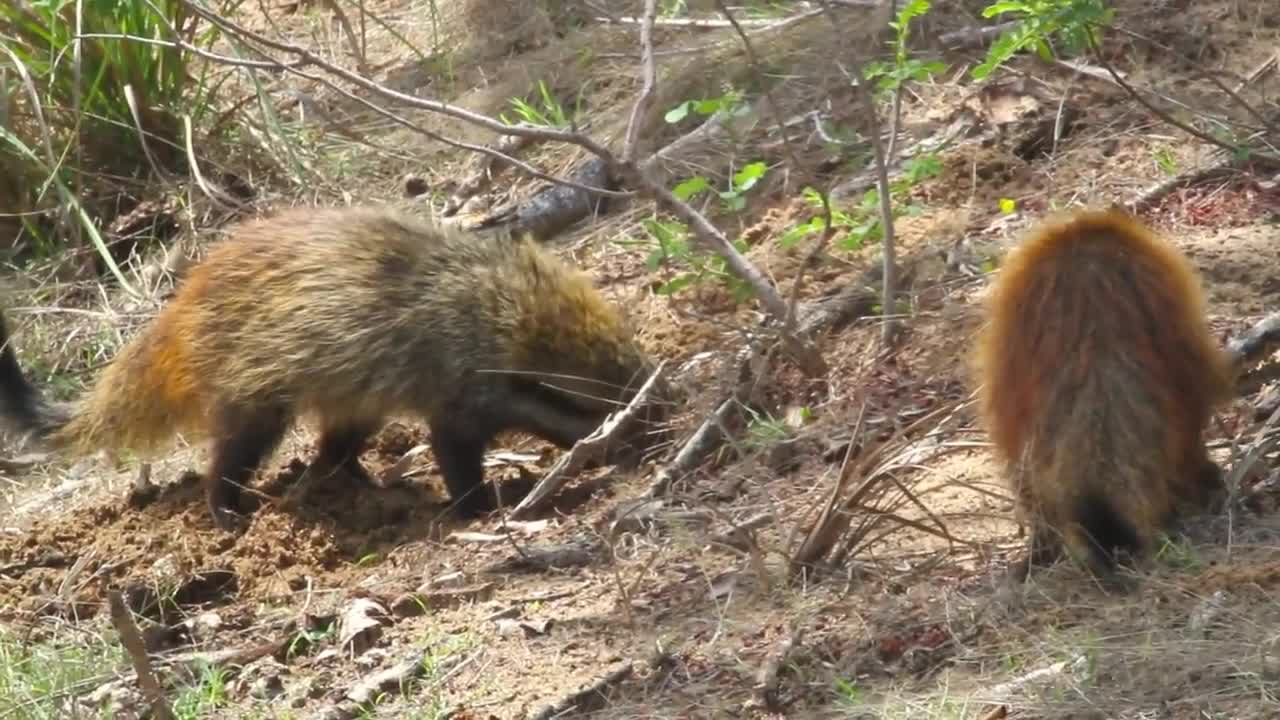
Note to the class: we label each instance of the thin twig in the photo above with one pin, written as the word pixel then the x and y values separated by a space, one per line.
pixel 649 73
pixel 131 638
pixel 1166 117
pixel 587 448
pixel 753 62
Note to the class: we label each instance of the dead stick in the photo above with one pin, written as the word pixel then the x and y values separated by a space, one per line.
pixel 765 692
pixel 585 449
pixel 1253 342
pixel 131 638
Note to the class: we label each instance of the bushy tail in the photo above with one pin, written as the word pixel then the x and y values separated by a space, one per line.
pixel 1105 533
pixel 146 394
pixel 22 407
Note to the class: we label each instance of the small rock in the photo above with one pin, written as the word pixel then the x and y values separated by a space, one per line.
pixel 115 700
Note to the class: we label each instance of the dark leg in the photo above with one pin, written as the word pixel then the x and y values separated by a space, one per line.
pixel 460 454
pixel 244 437
pixel 340 448
pixel 1211 487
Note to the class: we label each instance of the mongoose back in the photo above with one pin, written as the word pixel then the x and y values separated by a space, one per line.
pixel 351 316
pixel 1098 377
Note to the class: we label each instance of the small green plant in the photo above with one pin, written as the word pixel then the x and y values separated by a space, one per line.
pixel 861 224
pixel 740 183
pixel 209 694
pixel 849 694
pixel 1165 160
pixel 730 103
pixel 1074 22
pixel 39 680
pixel 549 112
pixel 672 8
pixel 764 430
pixel 673 247
pixel 890 77
pixel 1177 552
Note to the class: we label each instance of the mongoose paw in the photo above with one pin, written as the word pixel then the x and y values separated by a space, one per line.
pixel 226 519
pixel 475 505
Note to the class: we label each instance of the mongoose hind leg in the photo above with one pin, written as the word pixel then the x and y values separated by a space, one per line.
pixel 244 437
pixel 1210 493
pixel 340 447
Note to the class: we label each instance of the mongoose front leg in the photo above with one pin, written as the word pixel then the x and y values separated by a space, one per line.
pixel 460 454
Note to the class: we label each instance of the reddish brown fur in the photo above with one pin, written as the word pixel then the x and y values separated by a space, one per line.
pixel 1098 376
pixel 349 316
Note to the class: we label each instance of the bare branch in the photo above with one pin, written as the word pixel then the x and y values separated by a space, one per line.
pixel 592 446
pixel 650 75
pixel 753 62
pixel 309 58
pixel 296 68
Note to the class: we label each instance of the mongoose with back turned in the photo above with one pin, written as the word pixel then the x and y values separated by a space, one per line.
pixel 351 316
pixel 1098 378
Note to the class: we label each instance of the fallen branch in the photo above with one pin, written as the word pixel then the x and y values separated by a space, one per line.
pixel 709 434
pixel 1157 192
pixel 764 694
pixel 1256 341
pixel 587 698
pixel 973 37
pixel 131 638
pixel 592 447
pixel 738 537
pixel 361 698
pixel 554 208
pixel 1053 670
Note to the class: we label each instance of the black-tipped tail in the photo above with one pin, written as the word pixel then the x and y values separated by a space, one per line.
pixel 22 408
pixel 1109 534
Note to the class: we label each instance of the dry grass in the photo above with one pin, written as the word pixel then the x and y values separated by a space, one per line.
pixel 907 616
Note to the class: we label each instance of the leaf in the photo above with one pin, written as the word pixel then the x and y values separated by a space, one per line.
pixel 678 113
pixel 749 175
pixel 1044 51
pixel 691 187
pixel 654 260
pixel 676 284
pixel 1008 206
pixel 709 107
pixel 1001 8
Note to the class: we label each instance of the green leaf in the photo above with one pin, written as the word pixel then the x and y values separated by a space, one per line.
pixel 749 175
pixel 678 113
pixel 676 284
pixel 1001 8
pixel 709 107
pixel 691 187
pixel 1044 51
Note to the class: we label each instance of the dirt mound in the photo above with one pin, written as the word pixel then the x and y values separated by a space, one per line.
pixel 304 528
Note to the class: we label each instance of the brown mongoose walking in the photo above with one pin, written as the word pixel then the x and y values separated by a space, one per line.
pixel 1098 378
pixel 351 316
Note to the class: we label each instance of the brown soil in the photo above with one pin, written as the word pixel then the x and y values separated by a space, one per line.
pixel 913 621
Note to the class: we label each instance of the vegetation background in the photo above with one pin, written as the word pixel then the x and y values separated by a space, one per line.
pixel 799 204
